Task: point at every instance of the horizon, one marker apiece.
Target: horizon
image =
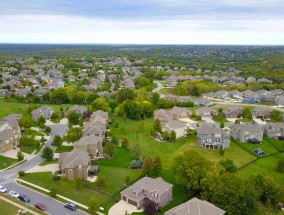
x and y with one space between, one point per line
153 22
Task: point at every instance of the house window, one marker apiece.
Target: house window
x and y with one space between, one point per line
70 170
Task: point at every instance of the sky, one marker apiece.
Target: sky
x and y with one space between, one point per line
248 22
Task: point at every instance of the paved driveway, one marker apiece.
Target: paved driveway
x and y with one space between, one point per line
120 208
208 119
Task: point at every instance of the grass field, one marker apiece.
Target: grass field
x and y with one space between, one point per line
166 91
6 162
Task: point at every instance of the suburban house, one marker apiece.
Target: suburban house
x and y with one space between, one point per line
4 93
202 102
233 112
74 164
212 137
44 111
9 134
180 112
235 94
79 109
157 190
23 92
221 94
206 112
40 92
100 113
274 130
195 207
163 115
250 97
94 128
91 145
262 113
177 126
245 132
279 100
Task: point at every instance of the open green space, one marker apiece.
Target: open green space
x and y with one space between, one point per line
49 162
6 162
12 108
32 132
167 91
278 144
62 149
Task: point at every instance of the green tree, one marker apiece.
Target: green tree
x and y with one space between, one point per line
157 125
247 113
109 150
73 134
127 179
140 127
100 104
101 181
26 122
20 156
166 135
57 141
94 205
78 184
280 165
275 115
228 165
173 136
74 117
147 168
124 94
136 151
47 154
155 98
53 192
142 82
41 120
124 142
157 165
222 125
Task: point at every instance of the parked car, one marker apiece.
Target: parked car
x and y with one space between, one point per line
14 194
3 189
40 206
24 198
281 138
70 206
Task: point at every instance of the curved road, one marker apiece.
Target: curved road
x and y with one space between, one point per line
7 177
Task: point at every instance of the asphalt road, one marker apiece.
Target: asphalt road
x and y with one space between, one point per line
54 207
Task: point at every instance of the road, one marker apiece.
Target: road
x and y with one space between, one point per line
7 179
159 87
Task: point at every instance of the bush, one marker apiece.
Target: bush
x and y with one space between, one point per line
56 177
280 165
21 173
53 192
134 164
47 129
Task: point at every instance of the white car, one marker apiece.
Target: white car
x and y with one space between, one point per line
14 194
3 189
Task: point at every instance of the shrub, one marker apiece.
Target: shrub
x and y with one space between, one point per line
21 173
55 177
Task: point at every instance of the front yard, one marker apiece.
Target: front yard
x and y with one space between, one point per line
6 162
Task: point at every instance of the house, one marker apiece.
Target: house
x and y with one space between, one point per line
202 102
171 97
274 130
268 98
252 99
251 79
95 128
90 144
9 134
128 83
157 190
209 96
40 92
279 100
235 94
4 93
74 164
177 126
233 112
100 113
83 111
222 94
180 112
184 99
264 80
44 111
163 115
277 92
246 132
208 137
23 92
206 112
262 113
195 207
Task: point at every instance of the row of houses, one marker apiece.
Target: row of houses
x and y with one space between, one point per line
160 192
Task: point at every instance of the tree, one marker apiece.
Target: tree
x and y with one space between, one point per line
247 113
157 125
147 168
20 156
109 150
134 164
57 141
73 134
53 192
41 120
189 168
280 165
124 94
124 142
142 82
155 98
94 205
149 207
222 124
48 129
228 165
173 136
221 152
74 117
140 127
100 104
136 151
78 184
47 154
26 122
275 115
101 181
166 135
157 165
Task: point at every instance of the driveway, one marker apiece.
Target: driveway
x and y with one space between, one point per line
259 121
208 119
120 208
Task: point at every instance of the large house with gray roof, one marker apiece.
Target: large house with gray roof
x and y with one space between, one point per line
44 111
274 130
233 112
212 137
245 133
74 164
207 112
195 207
262 113
9 134
82 110
90 144
180 128
157 190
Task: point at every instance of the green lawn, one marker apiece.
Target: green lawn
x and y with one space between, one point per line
32 132
62 149
10 107
265 166
278 144
49 162
6 162
166 91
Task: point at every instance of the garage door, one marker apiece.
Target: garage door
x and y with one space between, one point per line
132 202
123 198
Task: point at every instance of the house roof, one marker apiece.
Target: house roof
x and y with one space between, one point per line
180 111
203 110
175 124
100 113
74 158
249 128
196 207
86 140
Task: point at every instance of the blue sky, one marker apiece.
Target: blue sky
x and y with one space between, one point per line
142 22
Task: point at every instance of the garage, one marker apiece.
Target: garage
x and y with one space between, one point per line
132 202
123 198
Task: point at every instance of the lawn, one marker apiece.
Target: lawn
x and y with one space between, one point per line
32 132
49 162
265 166
6 162
278 144
62 149
166 91
10 107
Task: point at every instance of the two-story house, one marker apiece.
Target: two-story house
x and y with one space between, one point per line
247 132
44 111
233 112
274 130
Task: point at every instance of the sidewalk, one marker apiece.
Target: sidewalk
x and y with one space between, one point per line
19 206
45 190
